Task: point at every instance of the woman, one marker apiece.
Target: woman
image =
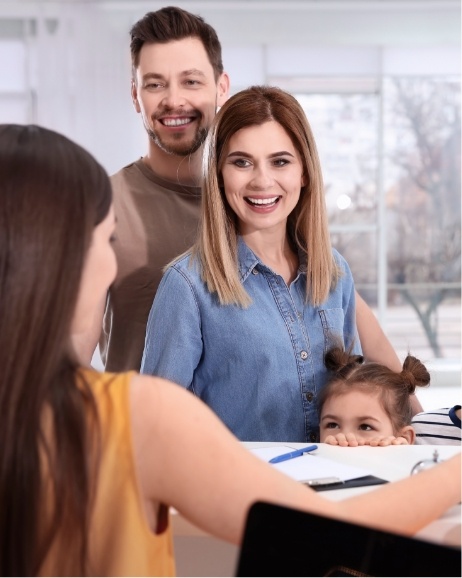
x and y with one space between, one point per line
245 318
88 460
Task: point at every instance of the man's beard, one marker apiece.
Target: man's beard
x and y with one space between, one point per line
181 149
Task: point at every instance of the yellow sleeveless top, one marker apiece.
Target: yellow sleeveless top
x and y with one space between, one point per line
121 542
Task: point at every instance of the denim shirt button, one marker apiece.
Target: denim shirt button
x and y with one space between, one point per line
309 396
254 271
313 437
303 354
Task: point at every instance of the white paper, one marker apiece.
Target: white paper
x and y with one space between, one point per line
309 466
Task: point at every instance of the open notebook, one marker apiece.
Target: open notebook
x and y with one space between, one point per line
318 472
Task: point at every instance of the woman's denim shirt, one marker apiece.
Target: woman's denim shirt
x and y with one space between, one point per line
261 368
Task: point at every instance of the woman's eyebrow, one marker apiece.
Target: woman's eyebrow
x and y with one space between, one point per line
239 154
272 155
280 153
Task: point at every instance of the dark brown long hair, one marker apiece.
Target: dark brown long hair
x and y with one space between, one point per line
52 194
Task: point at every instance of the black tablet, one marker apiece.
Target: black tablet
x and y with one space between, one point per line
280 541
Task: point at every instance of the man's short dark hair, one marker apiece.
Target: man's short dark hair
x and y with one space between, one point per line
172 23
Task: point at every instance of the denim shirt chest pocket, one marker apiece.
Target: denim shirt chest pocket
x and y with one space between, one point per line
333 326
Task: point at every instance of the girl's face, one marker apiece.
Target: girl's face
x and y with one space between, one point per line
99 272
262 177
358 413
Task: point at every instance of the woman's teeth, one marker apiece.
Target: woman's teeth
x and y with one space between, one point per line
262 202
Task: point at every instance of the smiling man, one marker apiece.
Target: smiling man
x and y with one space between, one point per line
177 85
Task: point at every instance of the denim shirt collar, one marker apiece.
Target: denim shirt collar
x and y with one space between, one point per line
247 261
264 361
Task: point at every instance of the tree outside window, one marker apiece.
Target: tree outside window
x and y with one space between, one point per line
403 142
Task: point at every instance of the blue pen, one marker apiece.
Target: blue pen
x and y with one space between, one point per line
294 454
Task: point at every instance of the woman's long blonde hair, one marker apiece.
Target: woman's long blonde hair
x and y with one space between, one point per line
307 228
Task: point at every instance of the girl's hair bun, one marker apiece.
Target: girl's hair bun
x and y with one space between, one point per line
341 362
414 373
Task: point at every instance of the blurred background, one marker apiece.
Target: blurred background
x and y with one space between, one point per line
380 83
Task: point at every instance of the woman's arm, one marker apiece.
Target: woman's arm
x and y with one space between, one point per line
186 458
173 344
375 344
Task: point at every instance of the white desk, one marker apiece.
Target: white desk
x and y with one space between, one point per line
198 554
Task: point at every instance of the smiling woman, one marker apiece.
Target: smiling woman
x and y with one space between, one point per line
263 266
262 177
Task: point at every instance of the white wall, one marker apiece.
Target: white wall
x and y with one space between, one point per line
70 67
77 66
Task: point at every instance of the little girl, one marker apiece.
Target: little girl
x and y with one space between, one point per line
368 404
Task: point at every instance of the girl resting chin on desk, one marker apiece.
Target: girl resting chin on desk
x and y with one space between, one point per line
368 404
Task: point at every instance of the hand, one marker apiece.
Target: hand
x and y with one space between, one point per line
351 440
344 440
388 441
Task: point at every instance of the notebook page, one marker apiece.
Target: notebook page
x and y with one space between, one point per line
310 466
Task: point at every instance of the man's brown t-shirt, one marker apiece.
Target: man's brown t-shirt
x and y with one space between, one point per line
156 221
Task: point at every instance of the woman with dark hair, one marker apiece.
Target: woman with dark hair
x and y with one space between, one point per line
55 203
89 460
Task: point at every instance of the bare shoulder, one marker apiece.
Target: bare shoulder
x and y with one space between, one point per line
160 407
146 385
168 424
146 389
147 396
155 410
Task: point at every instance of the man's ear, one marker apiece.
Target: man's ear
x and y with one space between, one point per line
134 92
222 89
408 433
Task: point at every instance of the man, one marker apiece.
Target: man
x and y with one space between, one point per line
178 83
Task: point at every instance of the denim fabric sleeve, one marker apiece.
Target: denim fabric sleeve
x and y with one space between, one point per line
173 344
351 336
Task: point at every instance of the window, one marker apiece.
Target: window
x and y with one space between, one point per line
391 164
16 99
